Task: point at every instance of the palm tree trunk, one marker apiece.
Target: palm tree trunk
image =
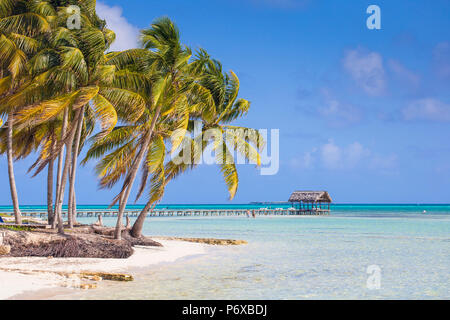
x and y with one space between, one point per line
67 164
126 193
136 230
12 180
60 163
71 208
70 194
50 212
74 210
132 176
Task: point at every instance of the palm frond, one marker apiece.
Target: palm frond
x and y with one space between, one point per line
26 44
6 7
28 23
105 112
114 165
156 154
237 139
129 105
73 60
104 143
225 161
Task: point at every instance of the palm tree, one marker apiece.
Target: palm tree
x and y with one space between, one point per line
30 139
55 83
224 89
22 26
79 79
25 29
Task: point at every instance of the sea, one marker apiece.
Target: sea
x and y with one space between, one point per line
359 251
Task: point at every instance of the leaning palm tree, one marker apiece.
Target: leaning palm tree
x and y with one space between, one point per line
161 74
216 132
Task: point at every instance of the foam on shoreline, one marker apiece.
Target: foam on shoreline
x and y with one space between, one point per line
25 278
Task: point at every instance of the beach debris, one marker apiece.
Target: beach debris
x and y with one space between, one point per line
74 247
41 244
141 241
83 242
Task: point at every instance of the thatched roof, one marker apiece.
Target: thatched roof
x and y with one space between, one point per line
310 196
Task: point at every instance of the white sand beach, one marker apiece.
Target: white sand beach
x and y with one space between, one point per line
20 275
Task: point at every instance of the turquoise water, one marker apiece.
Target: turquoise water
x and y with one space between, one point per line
338 209
297 257
302 257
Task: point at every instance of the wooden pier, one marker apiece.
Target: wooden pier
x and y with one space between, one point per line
187 213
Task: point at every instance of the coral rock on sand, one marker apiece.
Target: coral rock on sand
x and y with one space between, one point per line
4 250
87 286
211 241
109 276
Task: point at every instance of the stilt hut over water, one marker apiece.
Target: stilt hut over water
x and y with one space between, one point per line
311 202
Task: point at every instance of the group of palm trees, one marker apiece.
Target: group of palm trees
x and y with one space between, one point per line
62 90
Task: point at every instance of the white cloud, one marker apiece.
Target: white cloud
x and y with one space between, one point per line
428 109
331 155
441 55
383 162
404 73
334 157
306 161
367 69
340 113
356 152
127 35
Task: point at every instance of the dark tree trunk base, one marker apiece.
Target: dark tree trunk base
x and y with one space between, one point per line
83 242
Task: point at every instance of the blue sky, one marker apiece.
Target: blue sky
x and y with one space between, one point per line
362 113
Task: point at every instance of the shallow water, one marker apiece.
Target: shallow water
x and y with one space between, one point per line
301 258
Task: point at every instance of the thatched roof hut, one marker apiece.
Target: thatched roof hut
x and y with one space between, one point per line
311 202
310 196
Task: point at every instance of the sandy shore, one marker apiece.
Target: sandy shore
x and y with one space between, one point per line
33 273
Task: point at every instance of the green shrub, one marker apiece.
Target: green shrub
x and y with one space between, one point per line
15 228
